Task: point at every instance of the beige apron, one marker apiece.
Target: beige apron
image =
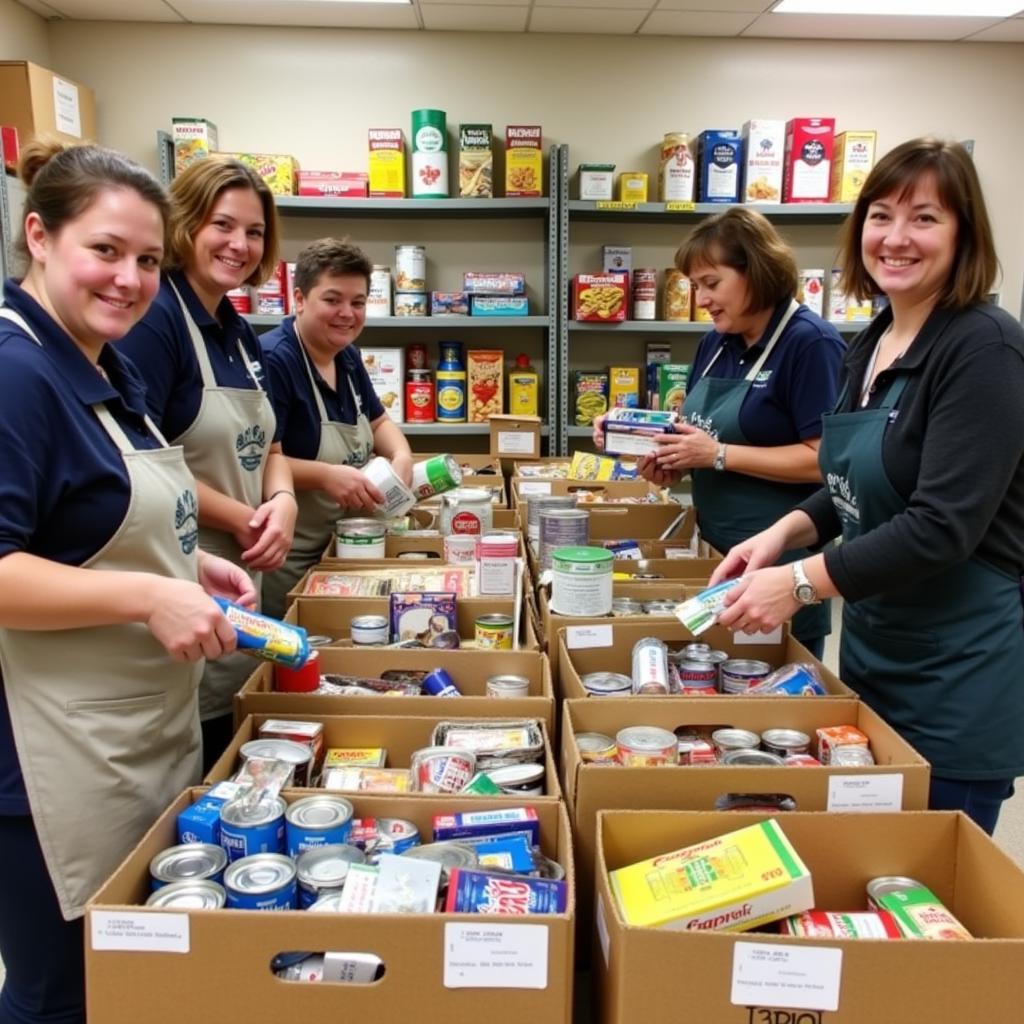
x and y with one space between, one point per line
226 447
341 444
104 720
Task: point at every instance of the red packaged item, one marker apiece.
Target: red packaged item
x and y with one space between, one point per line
335 184
299 680
600 298
9 140
807 171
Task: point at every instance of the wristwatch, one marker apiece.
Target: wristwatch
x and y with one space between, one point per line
803 588
719 463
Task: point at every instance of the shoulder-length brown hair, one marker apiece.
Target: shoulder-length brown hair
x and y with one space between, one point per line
975 265
194 193
746 241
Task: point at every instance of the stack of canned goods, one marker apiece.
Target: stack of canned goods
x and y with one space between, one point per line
627 606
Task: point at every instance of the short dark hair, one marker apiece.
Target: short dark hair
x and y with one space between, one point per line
745 241
975 264
331 256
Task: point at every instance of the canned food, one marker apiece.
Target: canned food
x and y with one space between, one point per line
416 356
410 268
581 581
645 293
435 476
316 640
755 802
677 170
398 499
493 632
739 674
735 739
412 304
852 756
918 911
660 607
508 686
607 684
359 538
323 869
438 683
314 821
518 779
642 576
596 746
696 675
383 835
358 968
537 503
378 298
198 861
298 755
677 299
247 829
329 903
646 746
650 666
786 741
466 510
369 630
448 853
696 652
419 397
460 549
191 894
751 757
824 924
442 769
624 606
264 881
561 528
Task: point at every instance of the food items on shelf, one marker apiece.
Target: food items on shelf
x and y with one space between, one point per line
476 162
600 298
852 159
387 163
484 380
429 154
194 138
677 172
596 181
279 171
719 156
524 161
808 165
764 144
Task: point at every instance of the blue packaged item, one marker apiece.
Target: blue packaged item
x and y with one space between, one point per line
471 824
438 683
267 638
265 881
200 821
795 680
477 892
720 157
247 829
508 853
499 305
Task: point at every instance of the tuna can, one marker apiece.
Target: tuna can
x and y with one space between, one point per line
429 140
383 835
460 549
315 821
518 779
398 499
739 674
378 299
852 755
192 894
650 667
646 746
696 675
661 608
442 769
508 686
369 630
735 739
467 510
786 741
560 528
411 303
247 830
448 853
299 755
265 881
623 607
438 683
596 746
359 538
435 476
411 268
607 684
493 632
323 869
304 679
760 758
189 861
696 652
537 503
581 583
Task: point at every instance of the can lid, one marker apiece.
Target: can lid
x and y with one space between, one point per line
584 555
189 860
259 873
320 811
328 865
193 894
516 774
240 812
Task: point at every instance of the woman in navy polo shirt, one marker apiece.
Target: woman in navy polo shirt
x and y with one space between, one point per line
206 388
102 621
331 419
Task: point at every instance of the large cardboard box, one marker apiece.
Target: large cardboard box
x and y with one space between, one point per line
469 669
36 100
743 978
515 436
598 491
165 967
668 568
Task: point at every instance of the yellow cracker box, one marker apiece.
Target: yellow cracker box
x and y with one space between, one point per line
485 373
588 466
524 161
280 172
387 163
853 157
600 297
352 757
734 882
633 187
623 387
194 138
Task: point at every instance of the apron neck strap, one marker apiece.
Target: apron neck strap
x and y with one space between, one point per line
16 318
772 341
317 397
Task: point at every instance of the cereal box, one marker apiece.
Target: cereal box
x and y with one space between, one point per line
387 163
590 396
600 297
808 164
386 369
280 172
764 144
476 162
334 184
624 387
672 381
485 373
421 616
853 158
719 157
524 161
194 138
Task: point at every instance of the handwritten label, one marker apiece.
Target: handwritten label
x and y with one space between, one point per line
610 204
66 110
534 487
579 637
514 442
865 792
774 637
796 977
680 206
485 956
144 931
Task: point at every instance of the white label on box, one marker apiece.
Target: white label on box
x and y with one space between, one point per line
66 111
865 793
534 487
143 931
602 929
515 442
774 637
796 977
491 956
579 637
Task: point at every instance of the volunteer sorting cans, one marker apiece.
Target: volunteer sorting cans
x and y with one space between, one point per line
206 388
105 613
761 380
331 419
923 462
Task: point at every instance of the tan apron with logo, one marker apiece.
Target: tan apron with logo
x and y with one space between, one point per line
104 720
341 444
226 447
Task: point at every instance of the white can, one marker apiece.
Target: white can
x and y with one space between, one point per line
581 581
398 499
360 538
410 268
496 574
466 510
460 548
378 301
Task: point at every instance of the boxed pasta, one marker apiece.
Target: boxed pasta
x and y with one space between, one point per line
194 138
485 374
852 159
763 145
524 160
387 163
623 387
279 171
600 297
386 369
808 165
476 162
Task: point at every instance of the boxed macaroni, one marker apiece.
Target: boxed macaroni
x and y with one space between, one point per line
387 163
853 158
524 160
623 387
194 138
280 172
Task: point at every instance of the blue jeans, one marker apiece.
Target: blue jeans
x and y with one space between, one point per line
979 800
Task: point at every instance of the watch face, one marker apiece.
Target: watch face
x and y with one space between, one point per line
805 593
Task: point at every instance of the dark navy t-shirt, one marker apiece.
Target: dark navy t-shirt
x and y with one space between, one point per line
64 489
298 419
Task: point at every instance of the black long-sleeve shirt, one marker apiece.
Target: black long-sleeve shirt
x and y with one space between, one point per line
955 453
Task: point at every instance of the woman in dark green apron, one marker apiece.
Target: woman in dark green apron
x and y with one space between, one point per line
923 462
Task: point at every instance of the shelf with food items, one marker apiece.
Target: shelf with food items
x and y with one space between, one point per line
328 206
689 212
437 323
698 327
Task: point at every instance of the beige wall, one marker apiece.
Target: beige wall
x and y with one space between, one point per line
23 34
314 93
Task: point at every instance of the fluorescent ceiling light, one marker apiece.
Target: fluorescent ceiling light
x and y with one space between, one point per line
922 8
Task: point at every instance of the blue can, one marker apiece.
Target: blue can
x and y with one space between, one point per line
439 684
317 821
796 680
264 881
246 830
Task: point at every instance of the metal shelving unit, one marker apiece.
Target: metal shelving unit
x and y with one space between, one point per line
436 323
665 213
317 206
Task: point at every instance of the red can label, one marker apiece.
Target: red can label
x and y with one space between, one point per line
419 401
465 522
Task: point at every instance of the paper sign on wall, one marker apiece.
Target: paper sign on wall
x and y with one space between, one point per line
66 110
486 956
143 931
795 977
865 792
580 637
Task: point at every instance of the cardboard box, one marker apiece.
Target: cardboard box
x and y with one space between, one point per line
485 384
524 161
623 387
596 182
36 100
278 170
217 969
195 138
386 369
10 147
852 160
513 436
587 492
763 146
590 396
476 162
900 980
387 163
808 170
334 184
600 298
720 159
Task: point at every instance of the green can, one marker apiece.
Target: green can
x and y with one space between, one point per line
429 154
436 476
581 581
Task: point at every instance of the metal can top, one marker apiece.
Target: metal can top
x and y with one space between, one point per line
189 860
660 607
885 884
563 513
752 757
646 737
368 622
325 866
852 755
365 527
512 683
785 738
516 777
606 682
193 894
594 742
735 739
448 854
494 619
696 651
597 558
319 812
289 751
319 640
259 873
329 903
696 666
746 667
241 812
466 495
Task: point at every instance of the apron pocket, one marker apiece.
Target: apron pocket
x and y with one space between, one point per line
904 645
122 728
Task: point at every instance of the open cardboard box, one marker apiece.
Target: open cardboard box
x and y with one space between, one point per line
397 551
591 491
646 974
469 669
401 738
515 437
689 569
218 965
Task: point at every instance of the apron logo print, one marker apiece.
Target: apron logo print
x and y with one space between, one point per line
843 498
762 378
250 445
186 522
705 423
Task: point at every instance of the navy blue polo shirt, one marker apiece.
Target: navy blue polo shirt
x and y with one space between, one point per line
64 490
799 381
298 419
159 345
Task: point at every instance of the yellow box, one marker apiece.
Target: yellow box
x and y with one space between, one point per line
623 386
194 138
633 187
701 315
387 163
733 882
524 161
280 172
588 466
485 373
852 160
352 757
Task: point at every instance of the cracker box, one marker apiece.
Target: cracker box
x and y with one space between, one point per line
590 396
524 161
719 157
633 187
763 145
279 171
623 387
500 283
597 181
387 163
485 373
808 164
600 298
476 162
334 184
386 369
194 138
499 305
852 159
673 379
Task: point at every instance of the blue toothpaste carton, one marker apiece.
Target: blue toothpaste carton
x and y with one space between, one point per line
200 821
481 823
500 305
509 853
267 638
477 892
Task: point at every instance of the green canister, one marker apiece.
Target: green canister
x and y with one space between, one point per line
429 154
581 581
435 476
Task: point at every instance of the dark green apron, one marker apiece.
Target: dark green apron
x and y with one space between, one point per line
940 659
732 507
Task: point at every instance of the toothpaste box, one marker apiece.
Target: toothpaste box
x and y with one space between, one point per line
200 821
733 882
480 823
477 892
499 305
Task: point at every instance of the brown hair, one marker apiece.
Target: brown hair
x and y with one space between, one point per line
329 256
63 181
194 193
975 264
745 241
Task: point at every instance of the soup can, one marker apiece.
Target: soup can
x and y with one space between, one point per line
786 741
442 769
560 528
187 862
378 299
646 746
581 583
735 739
508 686
314 821
383 835
360 538
191 894
739 674
435 476
696 675
596 746
460 548
305 679
762 758
420 401
537 503
323 869
247 829
466 510
410 268
650 667
296 754
398 499
263 881
493 632
411 304
607 684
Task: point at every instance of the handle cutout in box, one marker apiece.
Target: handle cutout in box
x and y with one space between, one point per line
329 967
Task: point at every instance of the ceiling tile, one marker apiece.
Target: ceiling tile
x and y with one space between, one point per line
585 20
44 10
715 6
632 5
110 10
1011 31
695 23
818 26
474 3
470 18
298 13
